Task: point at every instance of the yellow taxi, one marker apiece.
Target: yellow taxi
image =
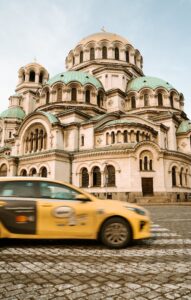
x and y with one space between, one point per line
41 208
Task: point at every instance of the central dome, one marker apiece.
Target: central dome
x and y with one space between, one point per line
99 36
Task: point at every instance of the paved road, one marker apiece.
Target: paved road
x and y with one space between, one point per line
157 269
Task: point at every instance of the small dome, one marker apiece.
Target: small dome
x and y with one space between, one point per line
147 82
184 127
81 77
15 112
99 36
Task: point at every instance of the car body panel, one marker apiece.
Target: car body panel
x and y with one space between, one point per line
57 218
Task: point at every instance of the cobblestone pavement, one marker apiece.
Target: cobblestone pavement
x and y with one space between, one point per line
159 268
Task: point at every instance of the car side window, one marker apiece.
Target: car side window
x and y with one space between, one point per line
51 190
23 189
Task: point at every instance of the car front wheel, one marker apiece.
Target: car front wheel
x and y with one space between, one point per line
116 233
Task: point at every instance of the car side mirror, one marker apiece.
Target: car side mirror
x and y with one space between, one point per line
82 197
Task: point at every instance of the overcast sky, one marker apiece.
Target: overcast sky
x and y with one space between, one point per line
48 29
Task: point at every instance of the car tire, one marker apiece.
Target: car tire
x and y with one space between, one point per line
116 233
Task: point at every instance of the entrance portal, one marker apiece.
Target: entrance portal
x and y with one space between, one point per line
147 186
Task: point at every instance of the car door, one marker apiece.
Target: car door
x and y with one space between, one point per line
61 215
18 206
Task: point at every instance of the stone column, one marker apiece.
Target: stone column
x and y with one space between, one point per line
102 178
90 179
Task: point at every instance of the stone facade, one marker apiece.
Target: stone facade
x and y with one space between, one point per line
101 125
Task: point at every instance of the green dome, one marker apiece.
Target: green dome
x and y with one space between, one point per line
15 112
147 82
184 127
70 76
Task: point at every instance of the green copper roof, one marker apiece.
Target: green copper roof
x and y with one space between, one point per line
51 117
148 82
184 126
70 76
15 112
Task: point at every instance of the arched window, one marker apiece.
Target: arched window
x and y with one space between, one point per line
23 172
107 138
47 97
23 76
117 53
104 52
181 176
41 77
82 140
186 178
137 136
81 56
59 94
127 56
160 99
31 139
125 136
118 135
43 172
100 99
3 170
146 100
73 94
171 100
141 62
133 102
96 176
85 177
173 176
92 53
113 137
33 172
147 137
32 76
35 140
110 175
140 164
150 164
36 137
145 163
87 96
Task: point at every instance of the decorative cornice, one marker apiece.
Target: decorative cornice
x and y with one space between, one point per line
45 154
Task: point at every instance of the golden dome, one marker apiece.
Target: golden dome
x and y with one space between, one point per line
100 36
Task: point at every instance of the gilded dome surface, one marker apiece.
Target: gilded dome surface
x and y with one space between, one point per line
99 36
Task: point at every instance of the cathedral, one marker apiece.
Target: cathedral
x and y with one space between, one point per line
102 125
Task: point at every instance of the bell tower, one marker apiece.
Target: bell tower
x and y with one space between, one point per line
31 79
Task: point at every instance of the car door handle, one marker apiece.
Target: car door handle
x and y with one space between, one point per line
47 205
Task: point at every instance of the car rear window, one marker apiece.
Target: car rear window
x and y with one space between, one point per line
23 189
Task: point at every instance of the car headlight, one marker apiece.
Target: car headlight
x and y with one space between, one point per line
137 210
